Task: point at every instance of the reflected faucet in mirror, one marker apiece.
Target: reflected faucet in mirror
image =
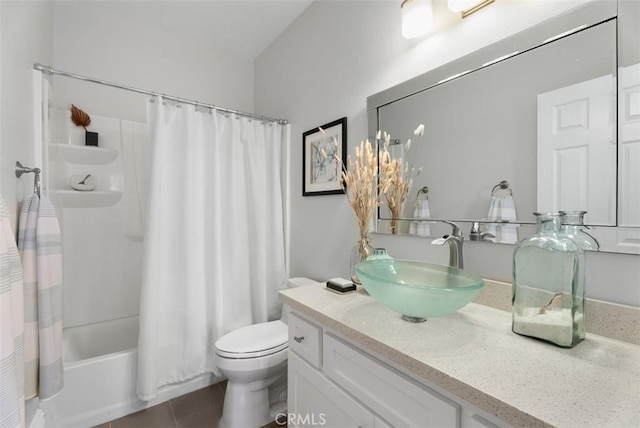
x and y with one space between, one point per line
475 234
454 240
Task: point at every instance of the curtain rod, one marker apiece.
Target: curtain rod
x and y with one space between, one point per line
51 71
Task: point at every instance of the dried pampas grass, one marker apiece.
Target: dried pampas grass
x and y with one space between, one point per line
396 177
363 185
360 183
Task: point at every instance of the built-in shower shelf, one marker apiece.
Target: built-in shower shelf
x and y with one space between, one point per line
89 155
92 199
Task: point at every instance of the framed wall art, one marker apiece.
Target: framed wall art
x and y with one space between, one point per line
321 171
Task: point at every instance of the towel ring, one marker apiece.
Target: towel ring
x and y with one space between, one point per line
503 185
36 179
424 190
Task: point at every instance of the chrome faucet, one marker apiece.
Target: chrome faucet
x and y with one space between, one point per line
454 240
476 235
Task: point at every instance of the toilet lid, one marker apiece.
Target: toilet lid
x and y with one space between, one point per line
255 340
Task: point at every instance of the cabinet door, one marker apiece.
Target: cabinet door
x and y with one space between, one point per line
401 401
315 401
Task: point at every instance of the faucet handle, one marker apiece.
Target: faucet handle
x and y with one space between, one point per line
440 241
456 231
474 233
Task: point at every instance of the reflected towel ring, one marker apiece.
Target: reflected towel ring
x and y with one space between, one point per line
503 185
424 190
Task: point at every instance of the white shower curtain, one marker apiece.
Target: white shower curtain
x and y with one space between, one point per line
214 238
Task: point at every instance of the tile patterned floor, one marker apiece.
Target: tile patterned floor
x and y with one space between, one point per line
199 409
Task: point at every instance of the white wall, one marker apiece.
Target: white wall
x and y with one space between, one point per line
324 67
25 37
95 40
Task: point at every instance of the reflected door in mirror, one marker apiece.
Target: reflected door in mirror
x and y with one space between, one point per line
577 150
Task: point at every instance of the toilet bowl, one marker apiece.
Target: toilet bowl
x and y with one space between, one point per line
254 360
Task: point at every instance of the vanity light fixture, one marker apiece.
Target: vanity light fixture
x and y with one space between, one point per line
467 7
417 17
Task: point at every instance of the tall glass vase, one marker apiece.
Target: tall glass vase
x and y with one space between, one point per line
395 215
573 227
359 253
548 285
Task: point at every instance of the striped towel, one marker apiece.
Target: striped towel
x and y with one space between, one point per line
503 208
11 327
40 247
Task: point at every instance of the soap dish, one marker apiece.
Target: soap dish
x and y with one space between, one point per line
83 183
340 285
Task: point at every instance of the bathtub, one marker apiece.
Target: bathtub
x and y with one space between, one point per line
100 365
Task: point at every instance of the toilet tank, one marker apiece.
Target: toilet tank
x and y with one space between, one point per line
295 283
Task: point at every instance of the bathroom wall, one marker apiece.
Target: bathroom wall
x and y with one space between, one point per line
92 39
324 67
25 37
99 40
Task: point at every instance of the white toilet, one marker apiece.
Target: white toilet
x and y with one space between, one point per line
254 360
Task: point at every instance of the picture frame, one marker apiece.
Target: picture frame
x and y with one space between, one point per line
322 175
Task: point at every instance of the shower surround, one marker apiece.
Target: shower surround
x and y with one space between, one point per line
102 245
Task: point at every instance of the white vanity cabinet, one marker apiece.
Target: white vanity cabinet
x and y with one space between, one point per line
316 401
334 384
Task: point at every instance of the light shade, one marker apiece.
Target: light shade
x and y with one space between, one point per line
417 17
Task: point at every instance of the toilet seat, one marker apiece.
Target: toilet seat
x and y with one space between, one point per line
253 341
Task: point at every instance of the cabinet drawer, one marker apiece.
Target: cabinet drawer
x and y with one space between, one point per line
399 400
305 339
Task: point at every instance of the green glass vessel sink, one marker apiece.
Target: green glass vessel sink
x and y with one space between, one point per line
418 290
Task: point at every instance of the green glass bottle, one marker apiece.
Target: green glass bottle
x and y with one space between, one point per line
548 285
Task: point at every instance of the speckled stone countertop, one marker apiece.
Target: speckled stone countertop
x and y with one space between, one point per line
474 355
